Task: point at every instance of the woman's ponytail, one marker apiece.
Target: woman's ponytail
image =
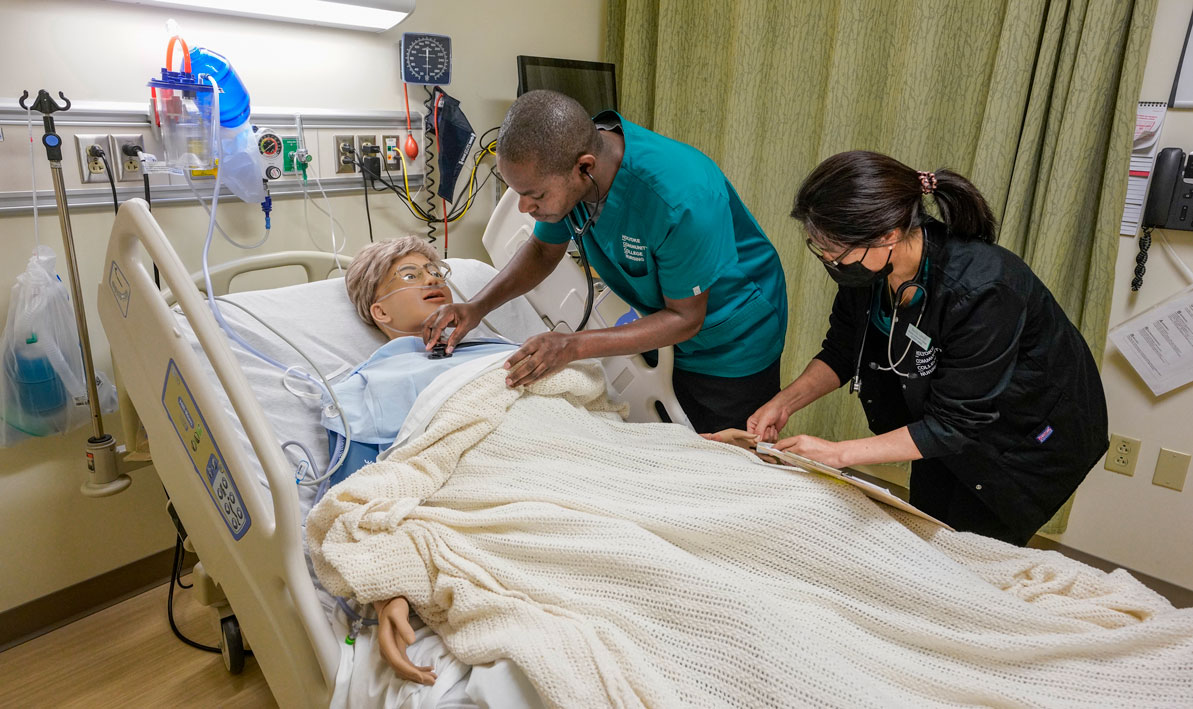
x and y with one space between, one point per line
855 198
962 207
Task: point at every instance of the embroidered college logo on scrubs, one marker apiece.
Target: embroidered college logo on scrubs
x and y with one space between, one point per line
925 361
633 248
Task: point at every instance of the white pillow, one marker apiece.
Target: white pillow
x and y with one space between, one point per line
320 319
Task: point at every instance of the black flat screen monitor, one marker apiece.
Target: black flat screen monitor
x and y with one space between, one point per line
593 84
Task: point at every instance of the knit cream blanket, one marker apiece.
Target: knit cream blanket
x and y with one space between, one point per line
630 565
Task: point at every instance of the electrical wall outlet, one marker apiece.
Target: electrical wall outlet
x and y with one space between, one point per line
1123 454
1171 468
128 167
365 144
362 141
343 154
92 169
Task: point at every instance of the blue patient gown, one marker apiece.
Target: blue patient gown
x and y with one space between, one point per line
378 395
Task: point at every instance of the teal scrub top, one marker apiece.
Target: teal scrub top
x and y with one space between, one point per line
673 226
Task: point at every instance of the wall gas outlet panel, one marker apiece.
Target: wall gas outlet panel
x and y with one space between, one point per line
269 144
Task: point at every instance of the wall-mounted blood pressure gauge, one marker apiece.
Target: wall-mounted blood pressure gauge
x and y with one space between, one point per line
426 58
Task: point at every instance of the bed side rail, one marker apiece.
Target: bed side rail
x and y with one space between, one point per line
316 265
256 558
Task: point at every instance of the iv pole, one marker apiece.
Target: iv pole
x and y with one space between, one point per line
104 477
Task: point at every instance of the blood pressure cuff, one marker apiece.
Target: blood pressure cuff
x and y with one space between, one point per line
359 455
447 121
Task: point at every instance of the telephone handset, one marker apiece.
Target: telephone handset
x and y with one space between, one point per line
1169 203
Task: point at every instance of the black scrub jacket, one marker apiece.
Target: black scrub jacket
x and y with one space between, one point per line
1006 395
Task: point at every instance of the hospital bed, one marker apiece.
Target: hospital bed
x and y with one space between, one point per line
215 416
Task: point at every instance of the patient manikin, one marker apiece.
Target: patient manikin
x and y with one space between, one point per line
395 285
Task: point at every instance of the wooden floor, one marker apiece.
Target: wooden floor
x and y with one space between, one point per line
126 656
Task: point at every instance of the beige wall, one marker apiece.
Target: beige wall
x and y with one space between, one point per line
104 51
1128 519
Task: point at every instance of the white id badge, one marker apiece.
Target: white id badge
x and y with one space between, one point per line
917 336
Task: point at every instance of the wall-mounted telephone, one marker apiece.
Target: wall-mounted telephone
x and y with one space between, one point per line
1169 203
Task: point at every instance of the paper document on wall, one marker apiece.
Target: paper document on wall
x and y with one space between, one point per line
1159 343
1148 120
874 492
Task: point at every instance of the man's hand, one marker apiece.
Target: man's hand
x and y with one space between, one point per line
462 316
769 419
543 354
818 449
733 436
394 635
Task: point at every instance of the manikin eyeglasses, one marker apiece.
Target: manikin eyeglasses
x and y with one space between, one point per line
412 273
420 277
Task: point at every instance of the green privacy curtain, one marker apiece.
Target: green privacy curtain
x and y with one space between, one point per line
1034 100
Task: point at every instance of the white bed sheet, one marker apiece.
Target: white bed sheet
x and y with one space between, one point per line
320 319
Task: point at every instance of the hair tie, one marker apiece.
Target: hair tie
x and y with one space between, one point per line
927 181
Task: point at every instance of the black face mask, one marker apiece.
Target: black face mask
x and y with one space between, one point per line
855 275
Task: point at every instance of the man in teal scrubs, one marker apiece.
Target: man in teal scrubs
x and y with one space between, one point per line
665 230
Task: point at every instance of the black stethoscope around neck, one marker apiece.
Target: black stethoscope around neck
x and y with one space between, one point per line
892 365
579 229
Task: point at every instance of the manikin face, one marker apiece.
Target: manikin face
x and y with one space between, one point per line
547 198
413 290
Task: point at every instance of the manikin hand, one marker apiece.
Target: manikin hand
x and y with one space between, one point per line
818 449
462 316
733 436
768 420
394 635
539 356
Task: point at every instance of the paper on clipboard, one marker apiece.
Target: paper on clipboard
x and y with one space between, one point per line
871 490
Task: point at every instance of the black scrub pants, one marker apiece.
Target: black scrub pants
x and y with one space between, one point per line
716 403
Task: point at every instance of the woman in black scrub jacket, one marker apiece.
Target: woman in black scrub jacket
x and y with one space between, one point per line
962 359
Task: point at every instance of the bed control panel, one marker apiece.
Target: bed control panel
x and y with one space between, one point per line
204 453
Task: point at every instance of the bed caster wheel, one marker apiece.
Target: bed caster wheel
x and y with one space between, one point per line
231 645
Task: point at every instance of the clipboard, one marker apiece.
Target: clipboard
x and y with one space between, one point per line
872 491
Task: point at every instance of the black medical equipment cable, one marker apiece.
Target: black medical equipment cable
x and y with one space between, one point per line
387 185
157 278
429 163
176 578
455 213
97 152
364 176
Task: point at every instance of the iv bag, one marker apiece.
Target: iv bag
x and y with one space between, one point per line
43 388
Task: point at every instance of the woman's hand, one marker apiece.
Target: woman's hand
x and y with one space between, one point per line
768 420
733 436
394 635
818 449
